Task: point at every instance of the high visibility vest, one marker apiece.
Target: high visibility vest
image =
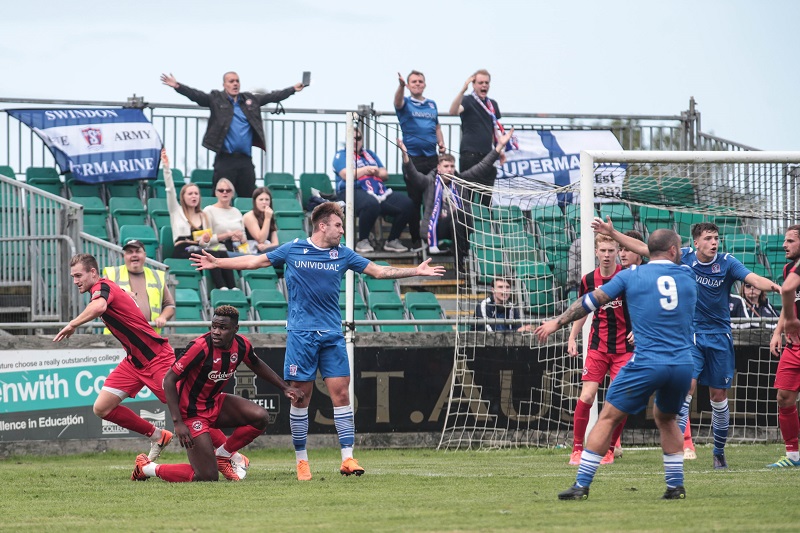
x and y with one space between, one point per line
154 280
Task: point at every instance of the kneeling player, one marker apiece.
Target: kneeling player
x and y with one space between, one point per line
193 386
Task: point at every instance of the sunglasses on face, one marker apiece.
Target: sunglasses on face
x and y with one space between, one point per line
225 191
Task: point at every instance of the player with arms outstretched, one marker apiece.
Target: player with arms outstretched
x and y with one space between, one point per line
193 387
314 268
661 297
713 353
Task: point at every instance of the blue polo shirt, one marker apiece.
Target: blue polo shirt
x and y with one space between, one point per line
418 121
240 135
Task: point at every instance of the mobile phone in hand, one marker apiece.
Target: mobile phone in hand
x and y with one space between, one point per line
306 78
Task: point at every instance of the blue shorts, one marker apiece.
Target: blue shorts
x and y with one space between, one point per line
713 360
307 351
634 385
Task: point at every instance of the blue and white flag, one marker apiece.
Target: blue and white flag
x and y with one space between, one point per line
97 145
545 159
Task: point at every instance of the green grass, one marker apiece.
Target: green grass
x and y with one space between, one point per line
402 490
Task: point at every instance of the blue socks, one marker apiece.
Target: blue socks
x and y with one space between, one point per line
590 461
673 469
720 420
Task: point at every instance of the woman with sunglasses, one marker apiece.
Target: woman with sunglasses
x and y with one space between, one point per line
227 230
752 302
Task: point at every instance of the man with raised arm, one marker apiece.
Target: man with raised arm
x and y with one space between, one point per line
422 133
713 351
661 296
234 127
787 377
314 268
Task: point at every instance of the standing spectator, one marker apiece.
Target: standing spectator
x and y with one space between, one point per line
499 306
259 224
147 286
234 127
751 302
372 199
422 133
314 269
193 387
480 127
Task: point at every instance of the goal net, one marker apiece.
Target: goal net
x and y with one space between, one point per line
509 390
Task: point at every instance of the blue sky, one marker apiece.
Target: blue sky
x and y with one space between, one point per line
737 58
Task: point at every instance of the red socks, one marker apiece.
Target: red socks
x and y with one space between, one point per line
180 473
582 411
790 426
122 416
241 437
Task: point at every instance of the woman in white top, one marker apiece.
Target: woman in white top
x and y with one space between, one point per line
226 221
190 226
259 224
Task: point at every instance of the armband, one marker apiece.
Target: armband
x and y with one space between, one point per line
589 303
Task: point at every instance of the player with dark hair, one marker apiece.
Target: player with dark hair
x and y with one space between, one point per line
629 257
787 377
149 355
193 387
314 268
713 352
609 348
661 295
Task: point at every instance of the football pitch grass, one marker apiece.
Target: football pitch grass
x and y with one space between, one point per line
402 490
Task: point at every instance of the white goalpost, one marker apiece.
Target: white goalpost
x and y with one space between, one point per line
507 389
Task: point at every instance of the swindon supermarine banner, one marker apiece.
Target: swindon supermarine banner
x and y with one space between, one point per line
544 160
97 145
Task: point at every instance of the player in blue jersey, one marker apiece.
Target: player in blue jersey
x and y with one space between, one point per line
314 268
661 296
713 353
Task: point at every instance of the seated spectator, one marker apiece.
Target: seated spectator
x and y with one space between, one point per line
191 230
751 302
259 224
441 198
499 306
372 199
227 229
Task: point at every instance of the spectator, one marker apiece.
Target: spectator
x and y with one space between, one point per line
437 222
372 199
480 127
234 127
422 133
259 224
499 306
751 302
147 286
227 230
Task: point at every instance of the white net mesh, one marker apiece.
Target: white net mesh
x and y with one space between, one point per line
510 391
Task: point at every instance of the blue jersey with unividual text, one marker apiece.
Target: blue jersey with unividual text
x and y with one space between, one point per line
661 297
313 276
714 280
418 120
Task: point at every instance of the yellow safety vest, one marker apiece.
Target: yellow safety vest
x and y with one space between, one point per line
154 280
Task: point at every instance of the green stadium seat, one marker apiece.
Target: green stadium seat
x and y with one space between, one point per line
144 233
678 191
123 189
156 187
396 182
425 306
95 212
126 212
44 178
77 188
684 223
538 280
288 235
654 218
184 273
572 212
275 181
189 307
201 177
158 212
269 304
773 241
374 285
775 300
738 243
243 204
290 221
166 242
620 215
207 200
263 278
287 206
283 194
236 299
7 171
389 306
728 224
308 181
359 309
101 232
642 189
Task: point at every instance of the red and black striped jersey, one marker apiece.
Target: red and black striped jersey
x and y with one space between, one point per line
793 267
611 324
127 323
203 371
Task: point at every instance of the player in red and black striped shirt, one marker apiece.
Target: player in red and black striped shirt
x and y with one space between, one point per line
609 348
787 377
149 355
194 387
